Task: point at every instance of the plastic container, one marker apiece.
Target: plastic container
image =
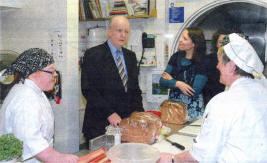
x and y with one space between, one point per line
106 141
133 153
116 132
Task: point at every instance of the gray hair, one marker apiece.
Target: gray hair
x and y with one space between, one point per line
226 59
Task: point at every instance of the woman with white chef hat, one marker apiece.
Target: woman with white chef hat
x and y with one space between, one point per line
26 111
234 127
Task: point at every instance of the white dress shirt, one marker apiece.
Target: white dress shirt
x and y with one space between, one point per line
27 114
234 125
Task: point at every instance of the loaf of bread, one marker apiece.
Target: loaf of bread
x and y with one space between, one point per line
173 112
140 127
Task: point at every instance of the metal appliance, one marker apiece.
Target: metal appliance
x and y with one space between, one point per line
6 58
250 16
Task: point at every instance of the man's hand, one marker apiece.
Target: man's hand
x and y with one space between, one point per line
114 119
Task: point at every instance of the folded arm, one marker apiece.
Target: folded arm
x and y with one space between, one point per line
168 81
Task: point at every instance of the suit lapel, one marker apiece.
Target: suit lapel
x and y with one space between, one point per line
110 64
112 68
126 59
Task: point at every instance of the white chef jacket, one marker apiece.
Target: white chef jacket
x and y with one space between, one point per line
27 114
234 127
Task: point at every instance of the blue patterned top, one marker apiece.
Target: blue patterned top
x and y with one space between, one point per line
182 69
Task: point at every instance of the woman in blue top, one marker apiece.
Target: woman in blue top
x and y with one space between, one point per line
185 73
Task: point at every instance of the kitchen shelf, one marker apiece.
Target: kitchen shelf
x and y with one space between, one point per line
152 14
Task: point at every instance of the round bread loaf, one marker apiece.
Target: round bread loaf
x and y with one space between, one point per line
140 127
173 112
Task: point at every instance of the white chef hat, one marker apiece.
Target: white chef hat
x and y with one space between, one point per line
243 55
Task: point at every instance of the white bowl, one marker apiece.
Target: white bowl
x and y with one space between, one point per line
133 153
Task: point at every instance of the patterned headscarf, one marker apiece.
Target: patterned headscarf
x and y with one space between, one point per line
28 62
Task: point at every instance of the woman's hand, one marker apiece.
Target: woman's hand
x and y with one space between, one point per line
185 88
166 76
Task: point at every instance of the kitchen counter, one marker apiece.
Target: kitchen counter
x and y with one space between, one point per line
181 134
192 128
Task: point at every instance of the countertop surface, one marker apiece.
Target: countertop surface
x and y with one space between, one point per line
181 134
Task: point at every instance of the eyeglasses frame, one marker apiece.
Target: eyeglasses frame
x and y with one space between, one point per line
49 72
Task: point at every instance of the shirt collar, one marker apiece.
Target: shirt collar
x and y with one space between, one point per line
31 84
113 48
237 81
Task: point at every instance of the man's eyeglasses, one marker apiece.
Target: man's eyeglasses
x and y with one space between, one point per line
49 72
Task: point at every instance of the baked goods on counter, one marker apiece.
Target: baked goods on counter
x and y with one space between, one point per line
173 112
140 127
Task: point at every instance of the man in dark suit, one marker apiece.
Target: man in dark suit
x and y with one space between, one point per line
109 81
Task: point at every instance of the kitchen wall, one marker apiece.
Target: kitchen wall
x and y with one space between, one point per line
36 24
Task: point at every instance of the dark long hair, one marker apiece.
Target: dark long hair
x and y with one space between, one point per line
197 36
215 37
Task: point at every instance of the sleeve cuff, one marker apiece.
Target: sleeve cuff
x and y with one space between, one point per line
172 83
194 154
35 151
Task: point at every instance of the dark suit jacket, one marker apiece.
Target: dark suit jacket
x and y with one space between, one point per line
103 89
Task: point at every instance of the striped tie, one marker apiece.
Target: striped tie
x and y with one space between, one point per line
122 71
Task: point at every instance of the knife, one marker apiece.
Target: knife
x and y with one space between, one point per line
177 145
